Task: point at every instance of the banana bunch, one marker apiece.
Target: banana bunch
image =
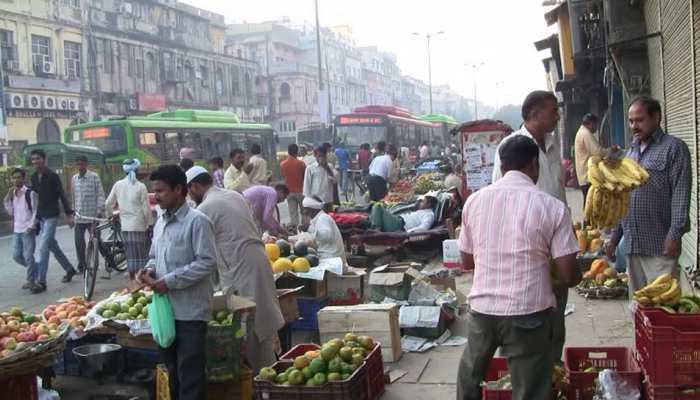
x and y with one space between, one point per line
611 182
665 291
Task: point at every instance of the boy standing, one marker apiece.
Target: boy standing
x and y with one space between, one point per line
21 204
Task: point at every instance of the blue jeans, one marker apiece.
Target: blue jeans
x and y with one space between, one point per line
343 180
23 254
48 243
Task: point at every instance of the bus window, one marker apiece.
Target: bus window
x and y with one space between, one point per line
355 135
172 145
110 139
152 142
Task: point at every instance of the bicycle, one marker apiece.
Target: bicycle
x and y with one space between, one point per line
110 248
355 182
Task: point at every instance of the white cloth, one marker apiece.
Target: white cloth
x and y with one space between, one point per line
195 172
381 166
318 183
134 209
311 203
327 236
418 221
551 178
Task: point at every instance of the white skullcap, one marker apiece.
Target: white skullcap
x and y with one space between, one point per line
195 172
312 203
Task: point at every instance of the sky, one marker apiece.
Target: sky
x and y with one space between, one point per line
498 33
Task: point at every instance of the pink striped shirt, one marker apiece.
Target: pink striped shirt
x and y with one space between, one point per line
512 228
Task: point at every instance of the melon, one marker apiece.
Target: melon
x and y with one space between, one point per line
285 248
301 264
281 265
301 249
273 251
313 260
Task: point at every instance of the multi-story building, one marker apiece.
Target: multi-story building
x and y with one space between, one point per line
42 64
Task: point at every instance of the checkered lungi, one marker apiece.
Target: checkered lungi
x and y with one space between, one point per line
137 246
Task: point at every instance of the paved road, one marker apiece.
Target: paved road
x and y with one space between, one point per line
12 278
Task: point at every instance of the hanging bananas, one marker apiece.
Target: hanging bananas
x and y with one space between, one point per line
611 181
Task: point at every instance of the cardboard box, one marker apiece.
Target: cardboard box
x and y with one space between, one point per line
347 289
288 303
451 257
311 287
393 281
379 321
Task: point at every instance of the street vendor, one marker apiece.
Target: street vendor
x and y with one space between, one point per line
379 170
325 232
420 220
263 202
242 262
510 231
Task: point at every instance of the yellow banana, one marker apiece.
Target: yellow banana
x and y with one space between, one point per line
589 204
663 278
645 301
656 290
594 175
635 169
673 293
608 173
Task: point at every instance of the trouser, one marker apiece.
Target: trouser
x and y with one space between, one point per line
584 190
343 180
644 269
48 244
385 221
294 201
23 254
525 341
260 353
80 246
377 187
186 361
559 323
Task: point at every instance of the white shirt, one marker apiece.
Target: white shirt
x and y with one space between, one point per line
259 174
327 236
318 183
551 178
134 209
381 166
418 221
424 151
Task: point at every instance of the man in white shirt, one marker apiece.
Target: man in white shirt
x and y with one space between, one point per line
259 174
327 237
379 170
420 220
236 177
319 178
540 111
21 204
424 152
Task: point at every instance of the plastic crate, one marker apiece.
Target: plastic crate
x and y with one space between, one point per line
308 313
223 351
137 359
668 347
670 393
582 384
241 390
374 361
353 388
497 370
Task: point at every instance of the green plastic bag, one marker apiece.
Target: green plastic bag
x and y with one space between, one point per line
160 314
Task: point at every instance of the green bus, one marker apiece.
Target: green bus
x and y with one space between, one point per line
445 123
157 138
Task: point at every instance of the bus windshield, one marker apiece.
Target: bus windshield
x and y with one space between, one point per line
110 139
355 135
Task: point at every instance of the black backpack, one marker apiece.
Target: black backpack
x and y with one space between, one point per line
28 199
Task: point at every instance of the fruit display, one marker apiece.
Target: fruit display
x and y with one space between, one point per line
588 239
133 307
428 182
665 292
335 361
602 282
222 318
611 180
560 383
284 257
401 192
19 329
71 311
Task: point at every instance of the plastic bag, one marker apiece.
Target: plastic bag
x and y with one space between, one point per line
611 386
160 314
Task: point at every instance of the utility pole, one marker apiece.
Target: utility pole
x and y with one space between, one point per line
321 88
430 66
476 107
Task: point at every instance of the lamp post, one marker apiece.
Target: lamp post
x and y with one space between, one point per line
430 67
476 107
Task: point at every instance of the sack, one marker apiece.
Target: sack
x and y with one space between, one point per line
160 314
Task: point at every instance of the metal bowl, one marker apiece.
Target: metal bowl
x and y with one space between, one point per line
99 359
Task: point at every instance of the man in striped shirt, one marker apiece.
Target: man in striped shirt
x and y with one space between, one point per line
88 201
510 232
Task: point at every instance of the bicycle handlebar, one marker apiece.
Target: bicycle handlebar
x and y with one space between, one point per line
93 219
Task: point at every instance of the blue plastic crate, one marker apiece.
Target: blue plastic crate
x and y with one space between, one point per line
66 364
137 359
308 310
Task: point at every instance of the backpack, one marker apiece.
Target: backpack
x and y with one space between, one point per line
28 199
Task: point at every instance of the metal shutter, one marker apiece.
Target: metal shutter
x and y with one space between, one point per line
653 23
679 96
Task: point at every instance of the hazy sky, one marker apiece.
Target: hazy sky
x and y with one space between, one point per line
499 33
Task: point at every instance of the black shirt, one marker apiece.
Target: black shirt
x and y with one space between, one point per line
50 191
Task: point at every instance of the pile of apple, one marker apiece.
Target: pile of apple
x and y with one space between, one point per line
18 330
71 312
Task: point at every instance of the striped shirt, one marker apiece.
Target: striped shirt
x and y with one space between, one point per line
218 178
88 196
512 229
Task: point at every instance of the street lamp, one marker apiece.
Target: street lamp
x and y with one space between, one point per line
430 67
474 67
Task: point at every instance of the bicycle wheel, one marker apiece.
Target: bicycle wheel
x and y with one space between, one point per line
90 273
350 188
118 253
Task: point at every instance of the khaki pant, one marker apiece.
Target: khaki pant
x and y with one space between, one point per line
526 341
644 269
294 201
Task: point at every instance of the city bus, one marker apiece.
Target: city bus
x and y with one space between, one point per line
372 124
158 138
444 123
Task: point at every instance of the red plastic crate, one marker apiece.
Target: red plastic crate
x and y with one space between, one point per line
670 393
582 384
668 347
497 370
353 388
374 361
